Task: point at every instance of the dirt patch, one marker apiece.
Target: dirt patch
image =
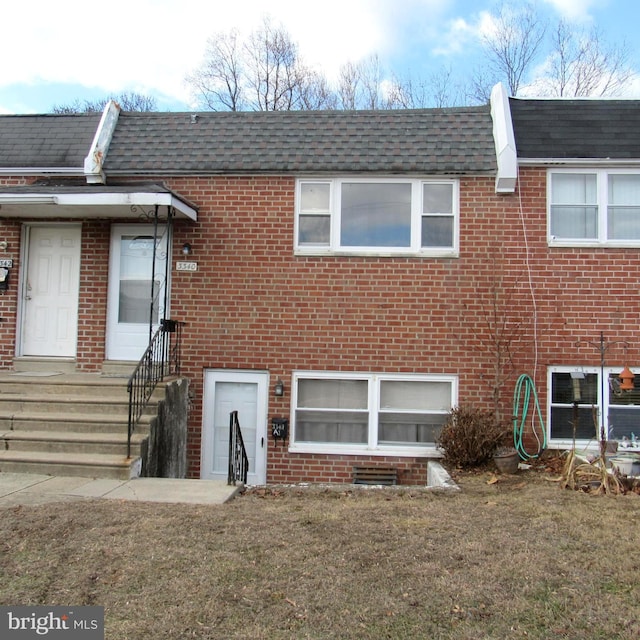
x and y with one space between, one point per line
507 557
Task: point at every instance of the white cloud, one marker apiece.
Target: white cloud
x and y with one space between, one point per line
151 45
576 10
462 33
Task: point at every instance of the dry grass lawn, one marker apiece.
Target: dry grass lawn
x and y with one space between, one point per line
519 558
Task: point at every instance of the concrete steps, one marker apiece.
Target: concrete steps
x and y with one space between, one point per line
110 443
75 422
65 464
69 424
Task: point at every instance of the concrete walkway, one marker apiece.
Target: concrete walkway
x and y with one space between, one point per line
35 489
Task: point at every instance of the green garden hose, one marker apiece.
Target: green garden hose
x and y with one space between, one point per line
522 396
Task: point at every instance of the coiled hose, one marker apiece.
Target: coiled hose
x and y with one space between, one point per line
524 392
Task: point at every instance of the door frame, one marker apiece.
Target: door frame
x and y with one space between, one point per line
258 475
21 310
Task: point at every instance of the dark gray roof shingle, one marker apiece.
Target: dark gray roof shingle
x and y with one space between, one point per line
580 128
34 141
435 141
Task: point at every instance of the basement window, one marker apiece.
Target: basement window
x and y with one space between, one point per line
596 405
343 413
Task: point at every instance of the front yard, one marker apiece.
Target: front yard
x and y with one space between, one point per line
516 558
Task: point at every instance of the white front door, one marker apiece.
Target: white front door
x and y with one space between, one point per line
132 302
50 291
246 393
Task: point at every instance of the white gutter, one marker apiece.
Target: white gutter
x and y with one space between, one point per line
504 140
94 162
41 171
599 162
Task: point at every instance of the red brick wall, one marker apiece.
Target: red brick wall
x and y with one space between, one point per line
253 304
94 274
10 230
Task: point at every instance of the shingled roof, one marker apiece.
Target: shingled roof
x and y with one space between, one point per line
578 129
52 141
434 141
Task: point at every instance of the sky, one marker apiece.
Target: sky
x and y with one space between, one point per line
54 53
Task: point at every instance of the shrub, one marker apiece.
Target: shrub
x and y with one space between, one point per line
470 436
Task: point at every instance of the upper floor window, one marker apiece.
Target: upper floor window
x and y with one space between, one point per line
594 207
384 217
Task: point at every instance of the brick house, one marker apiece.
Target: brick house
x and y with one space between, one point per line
356 274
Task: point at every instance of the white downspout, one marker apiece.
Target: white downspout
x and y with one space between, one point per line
504 140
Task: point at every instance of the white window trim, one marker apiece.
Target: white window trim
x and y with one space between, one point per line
593 443
415 250
602 176
371 448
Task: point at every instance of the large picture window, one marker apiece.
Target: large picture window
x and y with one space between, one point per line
390 216
339 412
582 403
594 207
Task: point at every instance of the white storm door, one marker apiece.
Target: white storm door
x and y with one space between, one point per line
130 306
50 291
246 393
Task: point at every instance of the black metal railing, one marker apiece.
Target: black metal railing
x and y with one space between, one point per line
238 461
161 359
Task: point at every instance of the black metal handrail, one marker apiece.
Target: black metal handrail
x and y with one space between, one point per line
161 359
238 461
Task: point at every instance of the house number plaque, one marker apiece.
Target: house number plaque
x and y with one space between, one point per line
186 266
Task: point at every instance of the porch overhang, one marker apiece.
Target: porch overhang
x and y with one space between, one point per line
89 201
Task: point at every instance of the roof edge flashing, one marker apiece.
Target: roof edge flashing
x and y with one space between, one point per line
504 140
94 162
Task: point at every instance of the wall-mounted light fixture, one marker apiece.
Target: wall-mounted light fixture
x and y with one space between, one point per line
279 388
4 245
186 249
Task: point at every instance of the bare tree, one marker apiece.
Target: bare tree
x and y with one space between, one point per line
444 92
315 92
478 88
439 90
349 86
264 72
371 77
511 49
217 84
272 69
582 65
362 85
128 101
404 93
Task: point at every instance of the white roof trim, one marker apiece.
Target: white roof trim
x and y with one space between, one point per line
89 205
94 162
41 171
504 140
595 162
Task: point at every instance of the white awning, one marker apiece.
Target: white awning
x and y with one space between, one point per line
100 201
